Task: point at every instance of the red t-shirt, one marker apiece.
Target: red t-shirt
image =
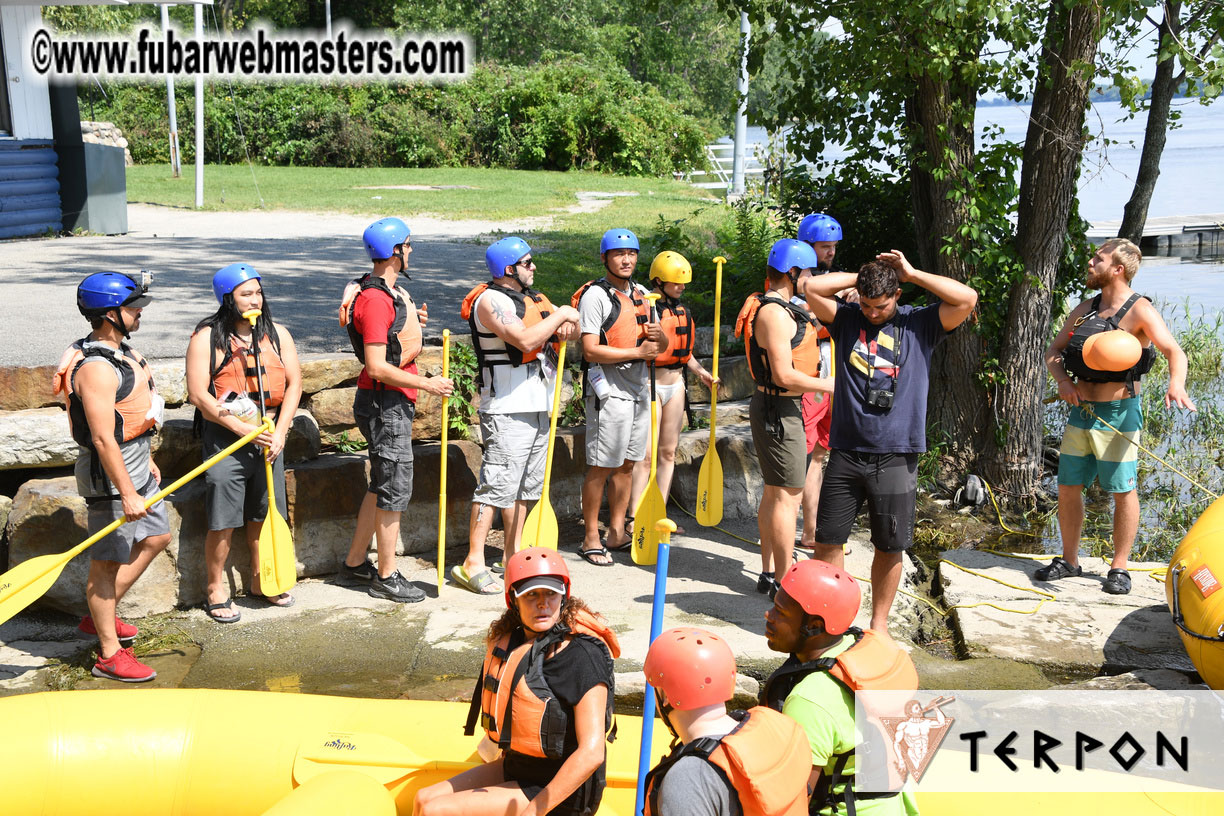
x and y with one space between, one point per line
373 315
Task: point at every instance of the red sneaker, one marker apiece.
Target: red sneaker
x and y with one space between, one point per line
124 667
125 631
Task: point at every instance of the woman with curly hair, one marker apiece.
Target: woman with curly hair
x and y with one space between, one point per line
544 698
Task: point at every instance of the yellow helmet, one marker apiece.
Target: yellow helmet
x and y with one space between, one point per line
671 267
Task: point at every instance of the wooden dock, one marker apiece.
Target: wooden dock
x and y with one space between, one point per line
1202 233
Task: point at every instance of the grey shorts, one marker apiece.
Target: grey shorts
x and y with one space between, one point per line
236 488
617 431
515 447
385 420
118 545
779 439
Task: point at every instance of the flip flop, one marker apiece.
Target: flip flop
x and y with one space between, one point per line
284 600
482 583
589 556
228 603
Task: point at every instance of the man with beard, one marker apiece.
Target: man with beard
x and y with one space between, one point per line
1090 448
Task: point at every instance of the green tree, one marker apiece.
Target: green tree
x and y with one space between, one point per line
1187 47
898 87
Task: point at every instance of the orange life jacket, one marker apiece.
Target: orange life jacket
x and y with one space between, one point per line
765 760
805 345
531 307
517 708
404 336
872 663
133 399
677 324
236 371
625 326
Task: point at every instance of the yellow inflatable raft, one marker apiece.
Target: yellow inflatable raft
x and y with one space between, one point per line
1194 588
155 752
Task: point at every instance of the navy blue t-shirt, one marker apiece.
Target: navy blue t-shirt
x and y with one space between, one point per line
869 356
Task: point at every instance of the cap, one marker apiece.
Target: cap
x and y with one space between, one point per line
549 582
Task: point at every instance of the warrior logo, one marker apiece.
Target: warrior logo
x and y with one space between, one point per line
916 737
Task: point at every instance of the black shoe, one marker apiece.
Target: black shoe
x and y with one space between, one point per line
1058 568
365 572
1117 582
765 582
395 587
773 590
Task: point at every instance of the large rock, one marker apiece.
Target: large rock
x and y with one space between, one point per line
729 413
703 342
24 387
49 517
35 438
333 409
177 450
170 377
323 371
1081 630
742 483
737 382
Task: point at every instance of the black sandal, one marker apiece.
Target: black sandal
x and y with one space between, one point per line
589 557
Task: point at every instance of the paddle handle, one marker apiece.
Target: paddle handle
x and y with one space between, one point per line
718 265
556 410
265 426
442 463
665 528
653 298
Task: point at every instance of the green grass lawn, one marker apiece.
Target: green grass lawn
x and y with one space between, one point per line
569 249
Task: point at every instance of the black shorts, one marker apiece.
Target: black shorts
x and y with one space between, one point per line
533 773
889 483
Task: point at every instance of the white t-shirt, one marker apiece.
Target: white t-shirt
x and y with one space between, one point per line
511 389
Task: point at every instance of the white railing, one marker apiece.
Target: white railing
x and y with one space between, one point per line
721 157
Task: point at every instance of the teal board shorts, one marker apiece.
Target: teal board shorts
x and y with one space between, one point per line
1091 449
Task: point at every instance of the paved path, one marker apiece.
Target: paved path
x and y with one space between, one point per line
307 258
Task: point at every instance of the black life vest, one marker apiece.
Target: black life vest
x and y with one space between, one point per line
404 335
1092 323
531 307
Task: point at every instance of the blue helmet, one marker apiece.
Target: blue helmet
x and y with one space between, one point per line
231 277
103 291
819 227
618 239
789 253
505 252
383 236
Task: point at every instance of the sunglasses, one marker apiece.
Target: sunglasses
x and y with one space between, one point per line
526 262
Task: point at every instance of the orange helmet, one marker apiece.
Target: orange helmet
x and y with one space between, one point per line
535 562
693 667
825 591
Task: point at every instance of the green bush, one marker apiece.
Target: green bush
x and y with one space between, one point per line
572 114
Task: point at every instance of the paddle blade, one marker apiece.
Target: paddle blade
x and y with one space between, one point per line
540 529
25 583
650 510
379 756
710 490
277 559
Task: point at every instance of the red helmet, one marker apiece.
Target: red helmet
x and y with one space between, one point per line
693 667
826 591
533 562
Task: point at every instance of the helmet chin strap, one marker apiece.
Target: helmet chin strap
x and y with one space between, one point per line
616 274
121 325
403 270
665 711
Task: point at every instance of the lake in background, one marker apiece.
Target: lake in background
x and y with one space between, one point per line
1191 183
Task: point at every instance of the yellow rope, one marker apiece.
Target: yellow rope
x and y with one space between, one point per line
1087 408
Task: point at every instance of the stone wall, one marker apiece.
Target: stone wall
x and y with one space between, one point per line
105 133
324 487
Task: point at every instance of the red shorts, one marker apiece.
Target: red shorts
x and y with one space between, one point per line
816 420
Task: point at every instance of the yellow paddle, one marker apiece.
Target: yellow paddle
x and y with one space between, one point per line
277 560
540 529
382 757
26 582
442 464
650 508
710 477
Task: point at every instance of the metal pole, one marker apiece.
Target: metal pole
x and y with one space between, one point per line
327 15
199 113
741 116
176 163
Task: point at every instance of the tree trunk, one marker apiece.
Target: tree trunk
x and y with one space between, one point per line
1053 149
1164 85
955 400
